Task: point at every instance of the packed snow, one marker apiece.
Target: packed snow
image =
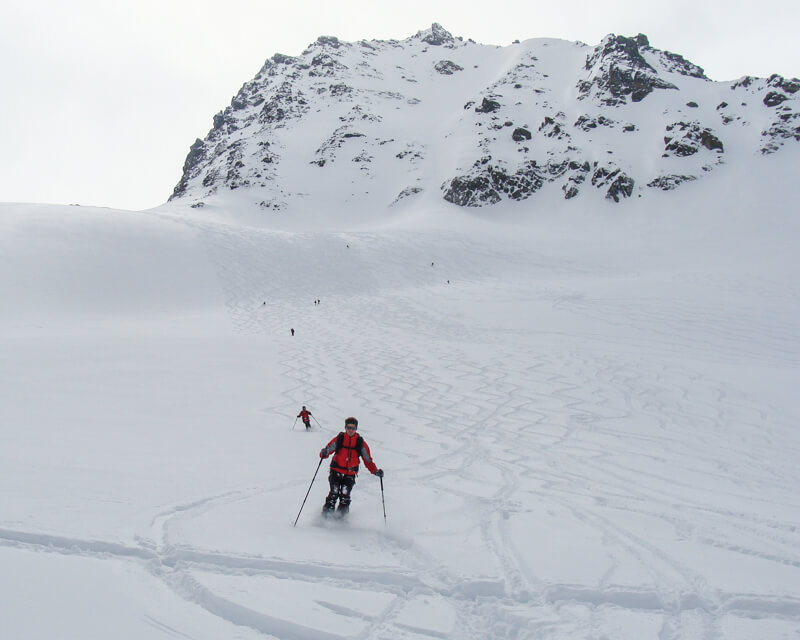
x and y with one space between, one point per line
587 419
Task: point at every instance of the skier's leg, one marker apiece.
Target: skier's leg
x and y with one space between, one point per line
344 496
330 501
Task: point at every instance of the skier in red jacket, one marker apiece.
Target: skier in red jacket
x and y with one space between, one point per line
305 414
347 448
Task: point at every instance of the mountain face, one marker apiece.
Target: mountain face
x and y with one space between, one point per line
375 123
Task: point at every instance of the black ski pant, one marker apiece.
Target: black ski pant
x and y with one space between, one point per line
341 486
307 423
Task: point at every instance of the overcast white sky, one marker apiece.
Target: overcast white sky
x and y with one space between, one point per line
101 99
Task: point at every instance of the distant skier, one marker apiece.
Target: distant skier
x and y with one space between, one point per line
306 416
346 448
292 330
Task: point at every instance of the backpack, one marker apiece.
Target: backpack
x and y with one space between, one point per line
340 444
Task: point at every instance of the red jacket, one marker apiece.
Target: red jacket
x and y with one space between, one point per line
304 415
346 451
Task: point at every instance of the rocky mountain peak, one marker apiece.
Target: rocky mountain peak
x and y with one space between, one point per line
437 35
618 69
383 123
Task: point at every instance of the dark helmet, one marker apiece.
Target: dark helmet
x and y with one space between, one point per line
304 406
352 421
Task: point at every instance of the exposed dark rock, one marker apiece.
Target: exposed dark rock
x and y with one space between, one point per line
196 155
743 82
692 104
577 176
587 123
405 193
447 67
784 127
329 41
233 178
617 69
488 106
210 178
488 182
283 105
669 182
437 35
553 128
686 138
774 98
357 113
622 186
275 204
520 134
617 182
583 167
710 141
779 82
472 191
328 150
325 65
279 58
678 64
410 154
340 89
363 157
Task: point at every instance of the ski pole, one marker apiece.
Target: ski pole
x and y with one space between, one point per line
317 421
383 502
294 423
307 492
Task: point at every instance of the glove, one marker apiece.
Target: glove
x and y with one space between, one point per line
323 453
379 473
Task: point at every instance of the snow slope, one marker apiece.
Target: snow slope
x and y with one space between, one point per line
588 422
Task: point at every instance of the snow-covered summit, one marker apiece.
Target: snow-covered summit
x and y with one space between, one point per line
436 35
370 124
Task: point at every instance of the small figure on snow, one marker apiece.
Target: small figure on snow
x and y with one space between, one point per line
292 330
305 414
346 448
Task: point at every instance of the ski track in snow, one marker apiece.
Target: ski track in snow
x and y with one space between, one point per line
501 392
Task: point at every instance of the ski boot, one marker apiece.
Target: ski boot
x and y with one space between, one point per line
328 509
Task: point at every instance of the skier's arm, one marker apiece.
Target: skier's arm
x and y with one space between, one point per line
328 449
366 456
